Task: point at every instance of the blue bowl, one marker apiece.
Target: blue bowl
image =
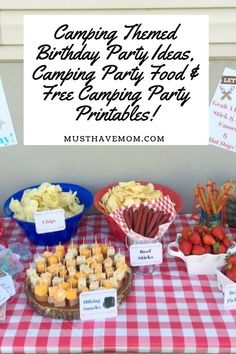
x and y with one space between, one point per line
72 223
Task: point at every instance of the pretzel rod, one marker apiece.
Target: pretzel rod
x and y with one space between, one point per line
196 194
227 186
215 193
209 186
202 198
214 189
221 198
212 203
221 204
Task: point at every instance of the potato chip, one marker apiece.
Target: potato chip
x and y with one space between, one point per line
46 197
128 193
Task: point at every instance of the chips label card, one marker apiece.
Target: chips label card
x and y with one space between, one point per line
50 221
145 254
98 304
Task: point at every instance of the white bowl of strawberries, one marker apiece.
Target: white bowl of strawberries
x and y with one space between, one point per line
226 275
203 250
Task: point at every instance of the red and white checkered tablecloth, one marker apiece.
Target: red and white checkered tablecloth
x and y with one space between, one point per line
165 312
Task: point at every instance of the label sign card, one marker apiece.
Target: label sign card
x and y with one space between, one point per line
146 254
7 133
98 304
4 295
50 221
230 297
223 112
6 282
3 312
115 79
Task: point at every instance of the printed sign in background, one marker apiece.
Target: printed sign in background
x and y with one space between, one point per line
222 131
7 133
115 80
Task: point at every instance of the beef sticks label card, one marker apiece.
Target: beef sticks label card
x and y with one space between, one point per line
222 129
7 133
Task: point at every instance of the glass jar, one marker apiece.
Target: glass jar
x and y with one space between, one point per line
231 207
210 221
231 212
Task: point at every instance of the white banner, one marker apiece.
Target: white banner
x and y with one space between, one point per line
7 133
223 112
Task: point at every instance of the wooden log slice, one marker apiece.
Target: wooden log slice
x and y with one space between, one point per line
72 313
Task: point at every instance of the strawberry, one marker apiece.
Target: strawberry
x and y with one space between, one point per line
219 233
231 274
208 240
219 248
1 227
186 247
231 259
224 269
195 238
208 248
4 243
227 241
198 250
200 229
186 232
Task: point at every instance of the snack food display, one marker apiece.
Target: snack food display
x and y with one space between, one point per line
72 223
212 201
45 197
202 249
127 194
229 268
226 274
54 283
115 228
200 240
144 220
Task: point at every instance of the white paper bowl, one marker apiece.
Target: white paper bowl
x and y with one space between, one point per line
222 280
196 265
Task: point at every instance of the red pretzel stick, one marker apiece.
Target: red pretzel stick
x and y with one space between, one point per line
135 213
130 213
153 232
127 219
165 218
155 220
139 218
143 220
